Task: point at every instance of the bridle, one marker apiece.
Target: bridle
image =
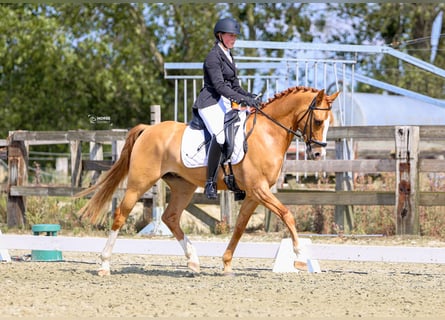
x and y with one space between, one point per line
298 133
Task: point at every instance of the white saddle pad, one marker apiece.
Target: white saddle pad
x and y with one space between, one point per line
193 149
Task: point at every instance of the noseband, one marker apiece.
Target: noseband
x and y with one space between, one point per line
300 134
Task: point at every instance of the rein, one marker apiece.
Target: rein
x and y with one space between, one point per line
298 133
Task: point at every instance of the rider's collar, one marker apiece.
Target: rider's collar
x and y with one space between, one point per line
225 50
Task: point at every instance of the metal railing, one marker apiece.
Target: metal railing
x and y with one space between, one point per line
270 78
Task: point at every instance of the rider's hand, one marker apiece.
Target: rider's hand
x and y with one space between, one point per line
251 102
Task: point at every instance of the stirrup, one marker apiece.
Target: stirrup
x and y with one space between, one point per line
210 190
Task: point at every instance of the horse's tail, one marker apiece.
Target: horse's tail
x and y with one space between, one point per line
107 185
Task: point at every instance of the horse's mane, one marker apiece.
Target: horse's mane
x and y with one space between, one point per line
289 91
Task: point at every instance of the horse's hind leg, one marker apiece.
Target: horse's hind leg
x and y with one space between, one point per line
181 193
120 216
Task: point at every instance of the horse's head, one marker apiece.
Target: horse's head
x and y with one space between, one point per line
314 124
302 114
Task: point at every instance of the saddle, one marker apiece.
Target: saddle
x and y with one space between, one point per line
230 129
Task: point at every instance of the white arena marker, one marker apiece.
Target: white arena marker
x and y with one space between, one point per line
313 266
4 254
284 261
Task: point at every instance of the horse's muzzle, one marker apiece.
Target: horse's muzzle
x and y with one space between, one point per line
315 149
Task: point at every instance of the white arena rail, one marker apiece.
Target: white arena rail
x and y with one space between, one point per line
281 252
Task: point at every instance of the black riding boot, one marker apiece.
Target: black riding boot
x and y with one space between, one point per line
213 163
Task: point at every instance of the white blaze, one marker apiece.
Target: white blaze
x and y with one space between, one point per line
325 135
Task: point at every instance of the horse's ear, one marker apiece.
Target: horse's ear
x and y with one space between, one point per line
334 96
319 98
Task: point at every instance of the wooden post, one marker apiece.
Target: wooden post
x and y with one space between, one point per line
407 180
158 189
76 163
343 213
116 150
18 176
117 146
227 205
271 221
96 153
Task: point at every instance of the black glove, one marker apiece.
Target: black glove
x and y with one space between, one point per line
256 96
251 102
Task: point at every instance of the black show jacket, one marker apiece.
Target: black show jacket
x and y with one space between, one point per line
220 79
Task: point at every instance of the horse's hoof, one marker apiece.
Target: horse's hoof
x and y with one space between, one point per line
193 266
103 273
300 265
229 274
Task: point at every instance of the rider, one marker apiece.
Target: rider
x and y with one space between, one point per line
221 88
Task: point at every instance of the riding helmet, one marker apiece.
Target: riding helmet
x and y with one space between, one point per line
227 25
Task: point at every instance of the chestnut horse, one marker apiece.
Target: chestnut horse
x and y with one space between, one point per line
153 152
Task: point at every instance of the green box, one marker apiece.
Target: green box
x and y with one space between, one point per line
46 255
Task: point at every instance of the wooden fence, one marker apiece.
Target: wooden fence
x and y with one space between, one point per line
406 162
404 158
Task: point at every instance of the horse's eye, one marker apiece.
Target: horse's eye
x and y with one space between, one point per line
318 123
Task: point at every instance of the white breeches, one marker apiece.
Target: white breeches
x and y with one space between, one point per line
213 117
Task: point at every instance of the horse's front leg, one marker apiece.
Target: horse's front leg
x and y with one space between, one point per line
244 215
272 203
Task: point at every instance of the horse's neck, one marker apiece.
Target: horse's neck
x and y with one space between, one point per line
281 137
287 110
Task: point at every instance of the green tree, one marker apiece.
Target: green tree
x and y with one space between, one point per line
60 63
35 60
121 65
